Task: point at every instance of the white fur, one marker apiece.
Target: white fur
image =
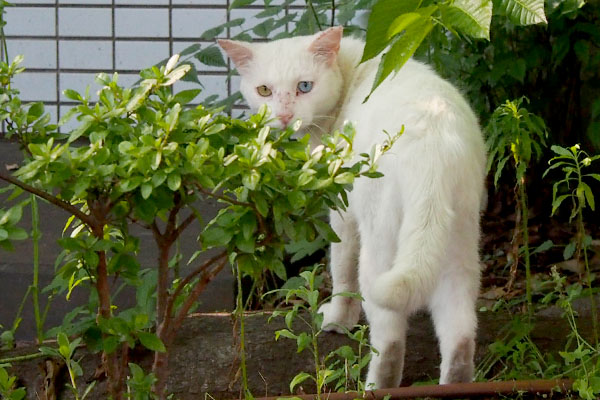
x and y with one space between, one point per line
409 239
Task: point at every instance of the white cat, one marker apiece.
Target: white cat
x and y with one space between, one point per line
409 240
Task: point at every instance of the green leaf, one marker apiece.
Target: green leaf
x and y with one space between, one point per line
547 245
402 49
146 190
186 96
524 12
324 229
298 379
384 12
589 196
302 341
569 250
174 181
211 56
240 3
151 341
285 333
344 178
557 202
216 236
471 17
72 94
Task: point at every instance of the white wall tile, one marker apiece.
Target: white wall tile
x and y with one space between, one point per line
251 21
36 86
86 54
84 22
191 23
180 46
141 22
139 55
143 2
212 84
30 21
78 82
200 2
85 1
38 53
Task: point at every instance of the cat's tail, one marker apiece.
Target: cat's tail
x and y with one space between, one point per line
440 203
423 240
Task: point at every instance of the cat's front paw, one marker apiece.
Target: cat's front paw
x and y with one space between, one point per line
338 315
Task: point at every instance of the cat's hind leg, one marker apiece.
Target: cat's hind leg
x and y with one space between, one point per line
343 312
453 310
387 336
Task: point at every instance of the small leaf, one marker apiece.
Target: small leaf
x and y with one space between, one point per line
151 341
547 245
174 181
569 250
186 96
298 379
470 17
146 190
524 12
211 56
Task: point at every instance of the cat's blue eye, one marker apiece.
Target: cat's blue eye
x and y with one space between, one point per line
305 86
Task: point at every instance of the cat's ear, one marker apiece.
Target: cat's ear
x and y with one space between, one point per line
327 44
239 52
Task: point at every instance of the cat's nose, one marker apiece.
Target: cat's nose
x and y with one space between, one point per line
285 118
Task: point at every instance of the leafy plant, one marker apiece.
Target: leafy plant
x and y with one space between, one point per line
572 162
516 356
7 385
514 134
142 157
139 384
304 295
66 352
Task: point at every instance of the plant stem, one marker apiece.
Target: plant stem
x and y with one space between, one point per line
314 12
525 233
239 311
581 234
36 235
85 218
26 357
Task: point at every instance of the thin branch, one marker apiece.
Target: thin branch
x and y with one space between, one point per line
188 279
186 222
191 299
224 198
261 223
85 218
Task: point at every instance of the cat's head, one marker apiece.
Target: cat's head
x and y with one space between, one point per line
298 78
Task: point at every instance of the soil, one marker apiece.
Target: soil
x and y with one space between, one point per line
204 359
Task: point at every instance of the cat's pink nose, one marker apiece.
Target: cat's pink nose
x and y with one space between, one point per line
285 118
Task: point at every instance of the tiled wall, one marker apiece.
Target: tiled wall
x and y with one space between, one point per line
66 42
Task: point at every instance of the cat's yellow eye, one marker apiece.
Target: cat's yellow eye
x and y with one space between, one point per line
264 91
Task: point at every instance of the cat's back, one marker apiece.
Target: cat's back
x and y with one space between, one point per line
416 98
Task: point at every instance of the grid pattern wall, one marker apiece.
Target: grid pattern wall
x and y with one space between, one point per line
66 42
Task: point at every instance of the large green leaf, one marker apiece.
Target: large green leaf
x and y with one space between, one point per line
470 17
383 14
211 56
524 12
402 49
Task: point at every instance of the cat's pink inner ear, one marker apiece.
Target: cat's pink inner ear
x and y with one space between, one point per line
327 44
239 53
